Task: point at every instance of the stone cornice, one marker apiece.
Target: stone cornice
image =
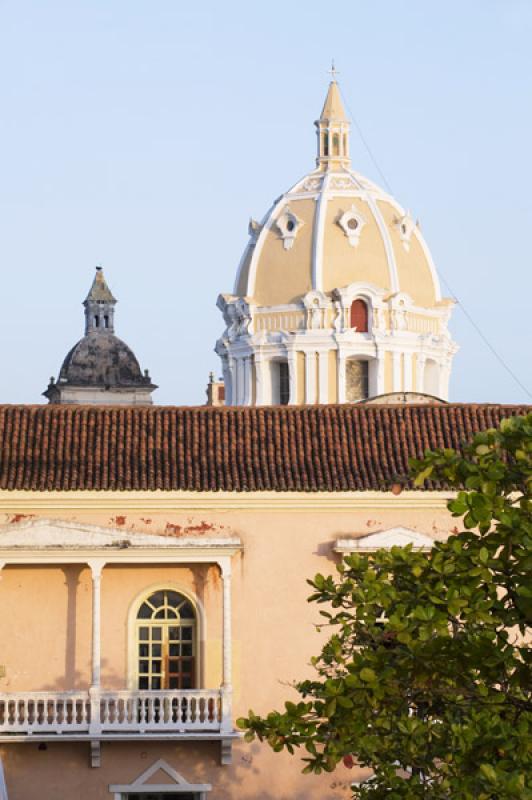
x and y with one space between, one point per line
27 502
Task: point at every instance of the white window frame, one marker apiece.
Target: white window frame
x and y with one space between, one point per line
200 631
141 786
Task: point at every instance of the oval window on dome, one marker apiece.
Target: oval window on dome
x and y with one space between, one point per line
352 223
290 225
359 315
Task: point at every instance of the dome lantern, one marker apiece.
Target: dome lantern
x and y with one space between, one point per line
336 297
333 130
99 306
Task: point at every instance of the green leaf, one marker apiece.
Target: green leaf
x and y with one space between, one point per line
489 772
368 675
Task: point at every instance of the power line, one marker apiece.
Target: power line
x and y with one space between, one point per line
477 328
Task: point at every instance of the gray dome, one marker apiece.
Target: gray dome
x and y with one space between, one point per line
102 360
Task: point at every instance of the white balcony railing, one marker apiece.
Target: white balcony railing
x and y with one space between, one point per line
198 710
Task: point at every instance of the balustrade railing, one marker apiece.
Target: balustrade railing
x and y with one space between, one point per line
111 712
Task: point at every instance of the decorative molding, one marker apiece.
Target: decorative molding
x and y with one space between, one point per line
29 502
406 226
178 786
48 534
288 225
393 537
351 222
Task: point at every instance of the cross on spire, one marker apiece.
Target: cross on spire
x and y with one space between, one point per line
333 71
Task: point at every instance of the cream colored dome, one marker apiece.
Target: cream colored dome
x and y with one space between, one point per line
336 297
347 230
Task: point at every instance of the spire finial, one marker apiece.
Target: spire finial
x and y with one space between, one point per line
333 72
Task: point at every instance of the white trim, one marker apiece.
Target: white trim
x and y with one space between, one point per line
29 502
319 232
323 376
44 535
386 239
310 377
140 785
392 537
430 262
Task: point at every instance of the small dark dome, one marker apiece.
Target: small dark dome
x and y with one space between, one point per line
102 360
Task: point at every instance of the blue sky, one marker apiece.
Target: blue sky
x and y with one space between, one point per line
143 135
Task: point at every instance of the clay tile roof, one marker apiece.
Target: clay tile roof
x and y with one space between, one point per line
280 448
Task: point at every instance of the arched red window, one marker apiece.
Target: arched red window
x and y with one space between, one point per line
359 315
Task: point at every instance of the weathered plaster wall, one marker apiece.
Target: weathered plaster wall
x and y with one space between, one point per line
47 633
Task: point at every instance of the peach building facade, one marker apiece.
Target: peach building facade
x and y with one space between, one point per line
140 621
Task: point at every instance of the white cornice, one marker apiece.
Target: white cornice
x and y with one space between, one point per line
27 502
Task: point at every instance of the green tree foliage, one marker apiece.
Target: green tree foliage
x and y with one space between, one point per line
426 678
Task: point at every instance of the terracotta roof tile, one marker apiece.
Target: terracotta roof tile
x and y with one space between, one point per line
305 449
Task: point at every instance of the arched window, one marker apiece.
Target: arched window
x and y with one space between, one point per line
336 144
106 321
166 633
280 382
359 315
356 380
325 144
96 321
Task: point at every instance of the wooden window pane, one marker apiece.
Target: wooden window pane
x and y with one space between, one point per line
359 315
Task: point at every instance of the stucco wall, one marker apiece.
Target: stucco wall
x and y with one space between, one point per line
46 637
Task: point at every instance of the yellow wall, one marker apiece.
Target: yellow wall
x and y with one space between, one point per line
345 264
285 275
413 271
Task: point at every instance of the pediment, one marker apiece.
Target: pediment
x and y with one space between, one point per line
161 777
392 537
39 534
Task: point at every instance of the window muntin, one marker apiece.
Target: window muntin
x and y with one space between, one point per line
166 642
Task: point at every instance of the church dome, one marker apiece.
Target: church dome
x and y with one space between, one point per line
333 228
102 360
100 368
336 298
